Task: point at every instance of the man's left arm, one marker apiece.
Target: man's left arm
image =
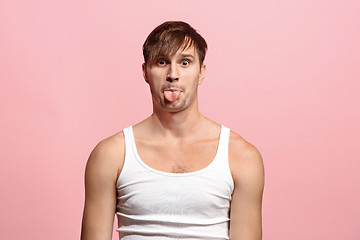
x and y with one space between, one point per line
248 174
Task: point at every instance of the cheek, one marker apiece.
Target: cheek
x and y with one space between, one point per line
157 77
192 73
195 77
155 88
154 79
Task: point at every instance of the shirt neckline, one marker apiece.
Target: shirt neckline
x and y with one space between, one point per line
133 144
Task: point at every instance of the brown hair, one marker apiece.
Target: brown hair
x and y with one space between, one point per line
167 38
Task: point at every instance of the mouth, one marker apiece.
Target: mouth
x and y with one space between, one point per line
172 94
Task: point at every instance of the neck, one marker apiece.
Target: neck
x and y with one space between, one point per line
177 124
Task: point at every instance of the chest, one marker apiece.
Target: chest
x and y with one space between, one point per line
177 158
147 199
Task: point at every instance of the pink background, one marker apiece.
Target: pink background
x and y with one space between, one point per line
283 74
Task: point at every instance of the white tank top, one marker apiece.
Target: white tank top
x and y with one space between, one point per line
153 204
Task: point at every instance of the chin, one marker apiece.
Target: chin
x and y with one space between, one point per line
173 107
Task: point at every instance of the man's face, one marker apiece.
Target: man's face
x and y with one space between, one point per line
174 80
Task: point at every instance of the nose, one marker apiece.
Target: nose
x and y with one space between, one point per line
173 74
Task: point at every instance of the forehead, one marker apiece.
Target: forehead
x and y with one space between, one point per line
188 51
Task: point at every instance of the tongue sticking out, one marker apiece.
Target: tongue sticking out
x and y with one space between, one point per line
171 95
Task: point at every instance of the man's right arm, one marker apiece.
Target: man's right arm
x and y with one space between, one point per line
101 173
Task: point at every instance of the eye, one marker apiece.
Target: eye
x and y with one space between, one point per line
161 62
185 62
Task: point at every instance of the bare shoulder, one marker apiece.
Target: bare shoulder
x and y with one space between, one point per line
244 159
108 156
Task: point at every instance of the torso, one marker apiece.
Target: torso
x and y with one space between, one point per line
159 191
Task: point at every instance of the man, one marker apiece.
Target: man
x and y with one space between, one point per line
176 174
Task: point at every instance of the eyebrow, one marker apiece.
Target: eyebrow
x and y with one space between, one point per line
187 56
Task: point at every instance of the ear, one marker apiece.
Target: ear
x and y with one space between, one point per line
143 66
202 73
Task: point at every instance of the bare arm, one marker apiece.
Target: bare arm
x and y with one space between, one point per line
248 173
101 173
